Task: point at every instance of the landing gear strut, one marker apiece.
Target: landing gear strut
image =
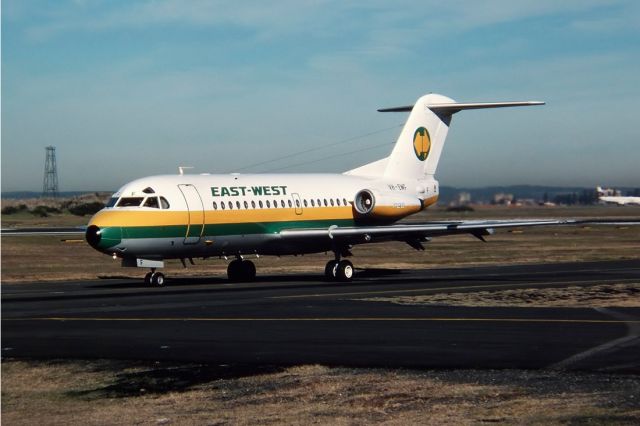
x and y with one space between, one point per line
240 270
154 278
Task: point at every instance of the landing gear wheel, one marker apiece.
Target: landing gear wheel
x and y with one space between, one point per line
241 271
248 270
234 270
147 278
344 271
330 270
157 279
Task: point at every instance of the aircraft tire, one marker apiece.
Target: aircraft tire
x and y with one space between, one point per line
248 271
234 270
330 270
344 271
157 279
147 278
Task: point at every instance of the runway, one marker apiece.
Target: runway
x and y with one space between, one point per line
300 319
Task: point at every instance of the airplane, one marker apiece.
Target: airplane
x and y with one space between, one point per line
182 216
617 199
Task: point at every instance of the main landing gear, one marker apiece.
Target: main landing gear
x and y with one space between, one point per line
240 270
339 270
154 278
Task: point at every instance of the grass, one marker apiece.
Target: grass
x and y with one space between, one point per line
118 392
604 295
45 258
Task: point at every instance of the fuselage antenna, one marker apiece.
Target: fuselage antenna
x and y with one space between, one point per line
181 169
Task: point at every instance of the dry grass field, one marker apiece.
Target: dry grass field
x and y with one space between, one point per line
120 392
48 258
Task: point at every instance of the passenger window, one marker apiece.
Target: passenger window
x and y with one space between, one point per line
222 205
319 203
230 205
215 205
298 203
304 202
130 202
268 204
164 203
344 201
289 202
275 204
253 204
152 202
238 205
331 201
260 203
325 202
282 203
313 204
246 205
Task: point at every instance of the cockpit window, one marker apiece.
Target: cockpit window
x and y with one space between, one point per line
112 202
152 202
164 203
130 201
148 190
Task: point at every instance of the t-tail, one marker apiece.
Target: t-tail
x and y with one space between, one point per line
419 146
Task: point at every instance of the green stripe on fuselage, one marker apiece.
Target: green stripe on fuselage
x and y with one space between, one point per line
216 230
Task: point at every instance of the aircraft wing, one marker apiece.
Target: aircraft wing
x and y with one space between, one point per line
79 230
411 232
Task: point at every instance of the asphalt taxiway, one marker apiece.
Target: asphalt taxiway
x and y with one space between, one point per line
300 319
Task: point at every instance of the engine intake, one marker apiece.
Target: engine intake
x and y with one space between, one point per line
364 201
368 203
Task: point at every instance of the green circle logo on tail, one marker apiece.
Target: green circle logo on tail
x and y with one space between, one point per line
421 143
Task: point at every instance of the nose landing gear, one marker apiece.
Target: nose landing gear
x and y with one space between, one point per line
154 278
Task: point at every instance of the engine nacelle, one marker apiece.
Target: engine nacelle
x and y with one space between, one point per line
372 204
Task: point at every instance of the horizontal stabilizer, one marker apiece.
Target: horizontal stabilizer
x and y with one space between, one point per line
452 108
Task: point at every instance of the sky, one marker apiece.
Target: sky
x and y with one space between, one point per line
125 89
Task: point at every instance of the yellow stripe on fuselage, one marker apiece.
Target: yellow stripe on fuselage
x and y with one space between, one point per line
155 217
146 217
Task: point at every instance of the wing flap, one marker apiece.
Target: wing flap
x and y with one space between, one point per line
421 230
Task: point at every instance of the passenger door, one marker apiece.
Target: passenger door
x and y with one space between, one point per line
195 207
297 203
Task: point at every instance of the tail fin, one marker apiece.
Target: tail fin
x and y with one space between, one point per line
418 148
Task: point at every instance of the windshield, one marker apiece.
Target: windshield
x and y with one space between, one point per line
130 201
112 202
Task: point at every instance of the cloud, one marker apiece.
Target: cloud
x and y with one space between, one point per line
323 17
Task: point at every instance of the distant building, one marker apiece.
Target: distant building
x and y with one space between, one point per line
502 198
464 198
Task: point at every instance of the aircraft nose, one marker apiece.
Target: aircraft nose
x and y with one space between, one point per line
93 236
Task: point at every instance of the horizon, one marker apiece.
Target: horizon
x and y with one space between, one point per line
131 89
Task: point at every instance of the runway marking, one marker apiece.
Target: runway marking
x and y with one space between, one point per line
380 319
628 340
418 290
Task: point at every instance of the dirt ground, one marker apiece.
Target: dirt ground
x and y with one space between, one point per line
109 392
